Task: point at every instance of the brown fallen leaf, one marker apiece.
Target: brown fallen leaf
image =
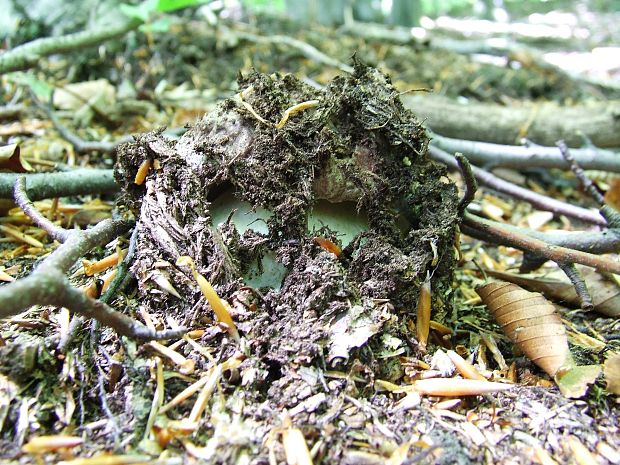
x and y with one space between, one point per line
556 286
531 322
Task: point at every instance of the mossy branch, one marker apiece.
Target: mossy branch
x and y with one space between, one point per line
83 181
27 55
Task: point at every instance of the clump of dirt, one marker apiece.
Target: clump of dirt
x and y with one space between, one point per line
352 141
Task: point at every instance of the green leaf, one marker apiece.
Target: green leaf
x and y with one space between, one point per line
166 6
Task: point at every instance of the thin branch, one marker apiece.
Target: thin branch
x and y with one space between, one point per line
484 229
81 181
579 284
610 214
115 286
529 155
471 186
120 280
537 200
22 200
306 49
80 145
579 173
27 55
48 285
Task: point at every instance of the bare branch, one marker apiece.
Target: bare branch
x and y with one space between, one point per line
27 55
470 182
497 232
21 198
579 284
537 200
529 155
48 285
611 215
80 145
63 184
579 173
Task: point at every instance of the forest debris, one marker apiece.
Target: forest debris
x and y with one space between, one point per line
200 405
574 381
185 394
328 245
76 95
581 454
162 279
294 443
90 269
143 170
353 329
158 399
295 109
454 387
20 236
108 459
10 159
186 365
543 456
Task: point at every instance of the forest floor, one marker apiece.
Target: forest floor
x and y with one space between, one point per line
320 368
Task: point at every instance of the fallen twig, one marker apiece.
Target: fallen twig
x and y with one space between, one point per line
28 54
528 155
537 200
48 285
611 215
80 145
486 229
565 258
81 181
306 49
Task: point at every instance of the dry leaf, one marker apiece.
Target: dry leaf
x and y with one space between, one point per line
531 322
556 286
574 382
611 370
10 159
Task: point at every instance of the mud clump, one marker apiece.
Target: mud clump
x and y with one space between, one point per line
350 142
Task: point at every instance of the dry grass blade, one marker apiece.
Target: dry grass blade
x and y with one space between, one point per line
110 460
464 367
423 313
214 300
42 444
451 387
531 322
